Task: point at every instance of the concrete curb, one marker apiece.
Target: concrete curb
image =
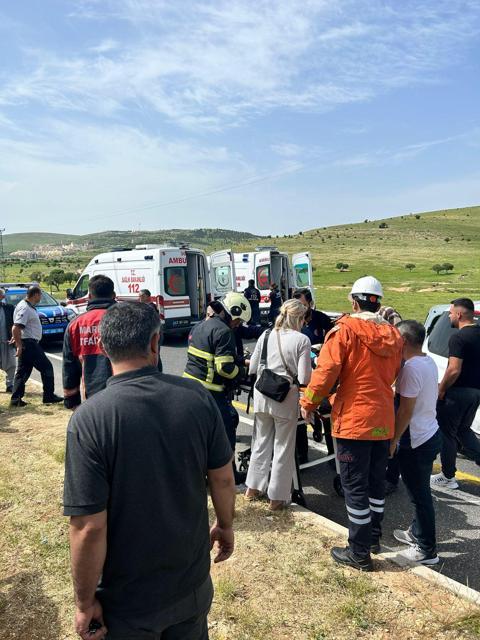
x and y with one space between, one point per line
421 571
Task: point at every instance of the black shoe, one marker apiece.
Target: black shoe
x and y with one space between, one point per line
375 548
18 403
52 400
9 390
390 488
347 557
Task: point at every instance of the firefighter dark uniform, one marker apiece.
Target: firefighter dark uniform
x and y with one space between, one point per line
212 361
363 352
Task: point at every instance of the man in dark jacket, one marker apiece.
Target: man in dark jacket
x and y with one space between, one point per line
252 294
82 356
7 351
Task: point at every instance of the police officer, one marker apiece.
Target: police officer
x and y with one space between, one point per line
252 294
363 353
27 333
7 352
212 357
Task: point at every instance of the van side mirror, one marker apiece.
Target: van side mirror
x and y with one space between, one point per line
69 293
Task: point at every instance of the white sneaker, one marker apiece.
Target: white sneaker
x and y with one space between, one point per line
416 554
241 488
440 480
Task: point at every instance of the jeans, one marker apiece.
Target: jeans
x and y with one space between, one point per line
416 468
362 471
33 356
184 620
455 415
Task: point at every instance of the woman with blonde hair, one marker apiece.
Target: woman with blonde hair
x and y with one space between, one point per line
287 355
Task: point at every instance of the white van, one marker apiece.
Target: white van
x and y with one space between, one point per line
177 278
439 330
231 272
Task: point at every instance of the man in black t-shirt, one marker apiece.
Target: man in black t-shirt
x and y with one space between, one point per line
459 392
138 453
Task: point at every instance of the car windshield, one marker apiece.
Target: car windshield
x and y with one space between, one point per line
46 300
441 333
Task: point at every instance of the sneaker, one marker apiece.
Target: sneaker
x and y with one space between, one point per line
9 389
241 487
416 554
53 400
440 480
18 403
347 557
405 537
375 548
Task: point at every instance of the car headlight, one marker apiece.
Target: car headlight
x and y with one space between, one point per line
70 314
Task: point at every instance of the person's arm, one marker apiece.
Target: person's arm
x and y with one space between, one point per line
88 548
71 372
255 359
17 338
402 420
225 355
450 376
222 492
304 364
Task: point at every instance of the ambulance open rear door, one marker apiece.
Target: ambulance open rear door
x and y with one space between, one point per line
302 270
222 273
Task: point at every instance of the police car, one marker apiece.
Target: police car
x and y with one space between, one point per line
53 317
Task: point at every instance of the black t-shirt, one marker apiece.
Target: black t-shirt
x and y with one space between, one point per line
275 299
319 325
141 449
465 344
252 294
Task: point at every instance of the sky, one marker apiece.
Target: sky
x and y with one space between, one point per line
258 115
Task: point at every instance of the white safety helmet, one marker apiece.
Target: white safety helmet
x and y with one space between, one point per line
366 286
237 306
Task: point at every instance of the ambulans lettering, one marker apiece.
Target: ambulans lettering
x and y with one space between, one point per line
177 260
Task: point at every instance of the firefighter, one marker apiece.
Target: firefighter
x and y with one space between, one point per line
212 358
363 352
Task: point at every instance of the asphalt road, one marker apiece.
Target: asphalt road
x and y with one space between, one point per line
458 511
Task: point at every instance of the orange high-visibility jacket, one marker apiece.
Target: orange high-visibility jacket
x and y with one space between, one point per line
363 353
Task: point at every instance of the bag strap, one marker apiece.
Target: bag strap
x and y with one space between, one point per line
263 357
292 375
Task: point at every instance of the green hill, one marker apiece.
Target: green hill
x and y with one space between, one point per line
451 236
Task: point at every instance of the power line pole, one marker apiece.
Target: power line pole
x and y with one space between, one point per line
2 258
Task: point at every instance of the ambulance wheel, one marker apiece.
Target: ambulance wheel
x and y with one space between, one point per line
298 498
337 485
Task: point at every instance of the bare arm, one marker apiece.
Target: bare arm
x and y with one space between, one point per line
450 376
88 548
17 338
222 491
402 420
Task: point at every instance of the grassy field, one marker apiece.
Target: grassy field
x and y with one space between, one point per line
280 584
424 239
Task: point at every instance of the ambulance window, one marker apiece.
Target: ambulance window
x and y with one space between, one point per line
223 276
263 277
301 273
175 281
81 288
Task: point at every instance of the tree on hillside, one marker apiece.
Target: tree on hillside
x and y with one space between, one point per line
70 276
410 266
383 225
447 266
55 278
437 268
341 266
36 276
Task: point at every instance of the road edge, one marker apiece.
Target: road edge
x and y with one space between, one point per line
458 589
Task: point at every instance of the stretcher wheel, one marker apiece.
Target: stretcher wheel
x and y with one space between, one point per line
299 498
317 435
337 485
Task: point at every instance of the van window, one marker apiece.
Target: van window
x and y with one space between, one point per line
223 276
175 279
263 276
301 275
81 288
441 332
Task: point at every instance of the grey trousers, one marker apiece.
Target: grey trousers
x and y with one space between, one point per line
8 362
186 619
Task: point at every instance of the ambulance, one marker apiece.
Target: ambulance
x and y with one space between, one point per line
177 278
232 271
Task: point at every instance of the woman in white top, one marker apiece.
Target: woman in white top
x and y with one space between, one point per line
276 422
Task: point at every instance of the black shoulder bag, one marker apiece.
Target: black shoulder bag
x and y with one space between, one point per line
272 384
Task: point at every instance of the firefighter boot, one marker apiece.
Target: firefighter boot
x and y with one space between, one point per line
347 557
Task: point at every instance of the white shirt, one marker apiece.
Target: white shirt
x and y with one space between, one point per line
296 351
26 316
419 379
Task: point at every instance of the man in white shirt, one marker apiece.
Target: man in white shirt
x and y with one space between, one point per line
418 440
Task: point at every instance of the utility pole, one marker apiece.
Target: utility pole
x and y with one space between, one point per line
2 257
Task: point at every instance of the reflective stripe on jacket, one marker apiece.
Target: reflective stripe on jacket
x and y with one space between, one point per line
363 353
211 355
